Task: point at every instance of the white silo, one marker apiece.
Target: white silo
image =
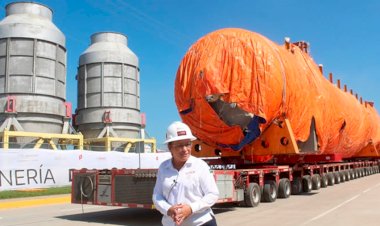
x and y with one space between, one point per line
108 88
32 70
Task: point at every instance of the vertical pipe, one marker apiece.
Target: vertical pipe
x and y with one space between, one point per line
287 43
122 85
8 58
56 82
338 83
331 77
5 140
102 84
34 79
320 66
85 87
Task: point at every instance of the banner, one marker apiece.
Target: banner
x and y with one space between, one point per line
42 168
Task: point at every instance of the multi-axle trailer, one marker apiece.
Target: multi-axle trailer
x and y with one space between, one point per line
269 125
241 184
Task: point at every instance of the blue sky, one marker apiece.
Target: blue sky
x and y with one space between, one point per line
344 37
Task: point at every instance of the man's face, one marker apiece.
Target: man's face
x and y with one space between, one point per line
181 150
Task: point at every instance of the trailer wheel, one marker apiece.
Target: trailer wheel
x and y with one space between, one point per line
330 179
361 170
342 176
252 195
316 182
357 172
306 183
284 188
348 175
269 191
324 181
337 177
296 186
351 172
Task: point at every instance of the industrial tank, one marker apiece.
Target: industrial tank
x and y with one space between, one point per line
233 84
108 88
32 70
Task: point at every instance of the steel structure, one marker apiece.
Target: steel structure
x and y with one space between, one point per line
108 88
32 70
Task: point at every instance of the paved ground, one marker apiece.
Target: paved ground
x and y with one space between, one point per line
348 204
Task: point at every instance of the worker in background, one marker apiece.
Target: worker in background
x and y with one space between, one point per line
185 189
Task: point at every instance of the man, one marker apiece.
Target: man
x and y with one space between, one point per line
185 189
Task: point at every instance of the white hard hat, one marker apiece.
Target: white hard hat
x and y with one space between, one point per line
178 131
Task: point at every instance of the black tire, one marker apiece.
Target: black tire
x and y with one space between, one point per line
336 177
296 186
316 182
269 191
352 174
324 181
306 183
330 179
348 175
284 188
252 195
342 176
358 174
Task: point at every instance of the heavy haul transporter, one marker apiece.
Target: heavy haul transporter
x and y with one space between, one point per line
269 125
237 183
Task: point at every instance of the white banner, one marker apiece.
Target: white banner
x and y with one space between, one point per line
31 168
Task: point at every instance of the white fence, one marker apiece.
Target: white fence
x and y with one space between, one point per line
30 168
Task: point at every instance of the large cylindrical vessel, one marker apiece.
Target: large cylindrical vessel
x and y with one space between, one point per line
32 69
232 84
108 87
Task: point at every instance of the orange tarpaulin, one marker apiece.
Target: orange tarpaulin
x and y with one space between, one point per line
237 72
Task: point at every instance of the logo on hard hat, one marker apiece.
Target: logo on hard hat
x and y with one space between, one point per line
181 133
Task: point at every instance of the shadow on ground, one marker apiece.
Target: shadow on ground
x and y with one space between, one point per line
119 216
131 217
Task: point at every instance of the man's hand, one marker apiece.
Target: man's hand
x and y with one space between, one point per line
179 213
